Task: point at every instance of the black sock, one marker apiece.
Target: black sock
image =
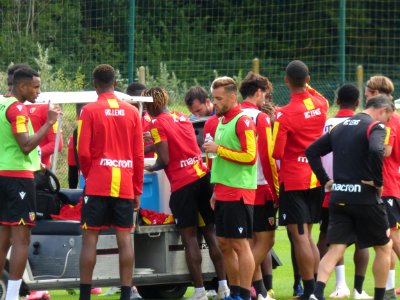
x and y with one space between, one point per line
235 290
125 293
379 293
267 281
84 291
244 294
297 279
358 283
319 289
309 286
260 288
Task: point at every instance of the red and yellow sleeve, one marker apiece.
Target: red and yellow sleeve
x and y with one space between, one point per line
84 141
17 115
390 136
279 136
265 148
157 132
245 130
138 156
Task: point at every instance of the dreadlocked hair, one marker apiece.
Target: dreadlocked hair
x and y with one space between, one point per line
160 99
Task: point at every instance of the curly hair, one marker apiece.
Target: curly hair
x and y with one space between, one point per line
160 100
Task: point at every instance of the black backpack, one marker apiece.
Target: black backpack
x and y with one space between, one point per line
48 200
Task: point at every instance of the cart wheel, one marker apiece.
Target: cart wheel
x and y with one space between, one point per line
164 291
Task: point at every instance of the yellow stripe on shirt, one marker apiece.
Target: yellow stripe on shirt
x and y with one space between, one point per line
313 181
115 182
309 104
155 135
387 135
113 103
79 133
21 124
240 156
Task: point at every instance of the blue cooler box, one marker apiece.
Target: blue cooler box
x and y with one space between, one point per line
150 198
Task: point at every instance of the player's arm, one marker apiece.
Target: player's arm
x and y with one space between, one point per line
246 133
161 148
138 156
314 152
19 123
279 138
84 141
265 148
376 153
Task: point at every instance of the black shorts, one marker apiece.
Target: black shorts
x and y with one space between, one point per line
17 201
264 217
324 220
300 206
368 224
100 212
392 205
190 205
233 219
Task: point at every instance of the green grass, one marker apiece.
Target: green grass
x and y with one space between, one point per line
283 276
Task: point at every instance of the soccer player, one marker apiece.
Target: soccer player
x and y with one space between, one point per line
198 102
110 153
253 90
296 126
180 156
355 208
19 158
391 172
347 99
234 174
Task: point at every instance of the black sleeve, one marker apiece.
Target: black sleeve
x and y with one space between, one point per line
376 152
319 148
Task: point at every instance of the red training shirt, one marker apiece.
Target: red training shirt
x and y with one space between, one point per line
110 148
296 126
185 163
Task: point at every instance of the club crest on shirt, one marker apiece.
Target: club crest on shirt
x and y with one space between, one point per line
32 216
271 221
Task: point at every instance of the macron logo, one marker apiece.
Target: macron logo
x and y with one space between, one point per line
240 229
20 107
247 122
390 201
22 195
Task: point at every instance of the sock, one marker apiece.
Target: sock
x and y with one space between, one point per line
125 293
391 279
13 289
199 290
84 291
222 283
309 286
358 283
244 294
267 282
379 293
235 290
297 279
340 276
319 289
260 288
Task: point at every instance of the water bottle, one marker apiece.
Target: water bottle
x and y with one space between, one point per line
207 139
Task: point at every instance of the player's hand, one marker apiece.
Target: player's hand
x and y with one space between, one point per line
371 183
147 137
212 201
148 168
210 147
328 185
53 113
136 203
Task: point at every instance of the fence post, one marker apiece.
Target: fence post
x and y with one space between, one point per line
142 75
360 83
342 41
131 42
256 66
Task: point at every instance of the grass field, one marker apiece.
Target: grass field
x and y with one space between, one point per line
283 276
